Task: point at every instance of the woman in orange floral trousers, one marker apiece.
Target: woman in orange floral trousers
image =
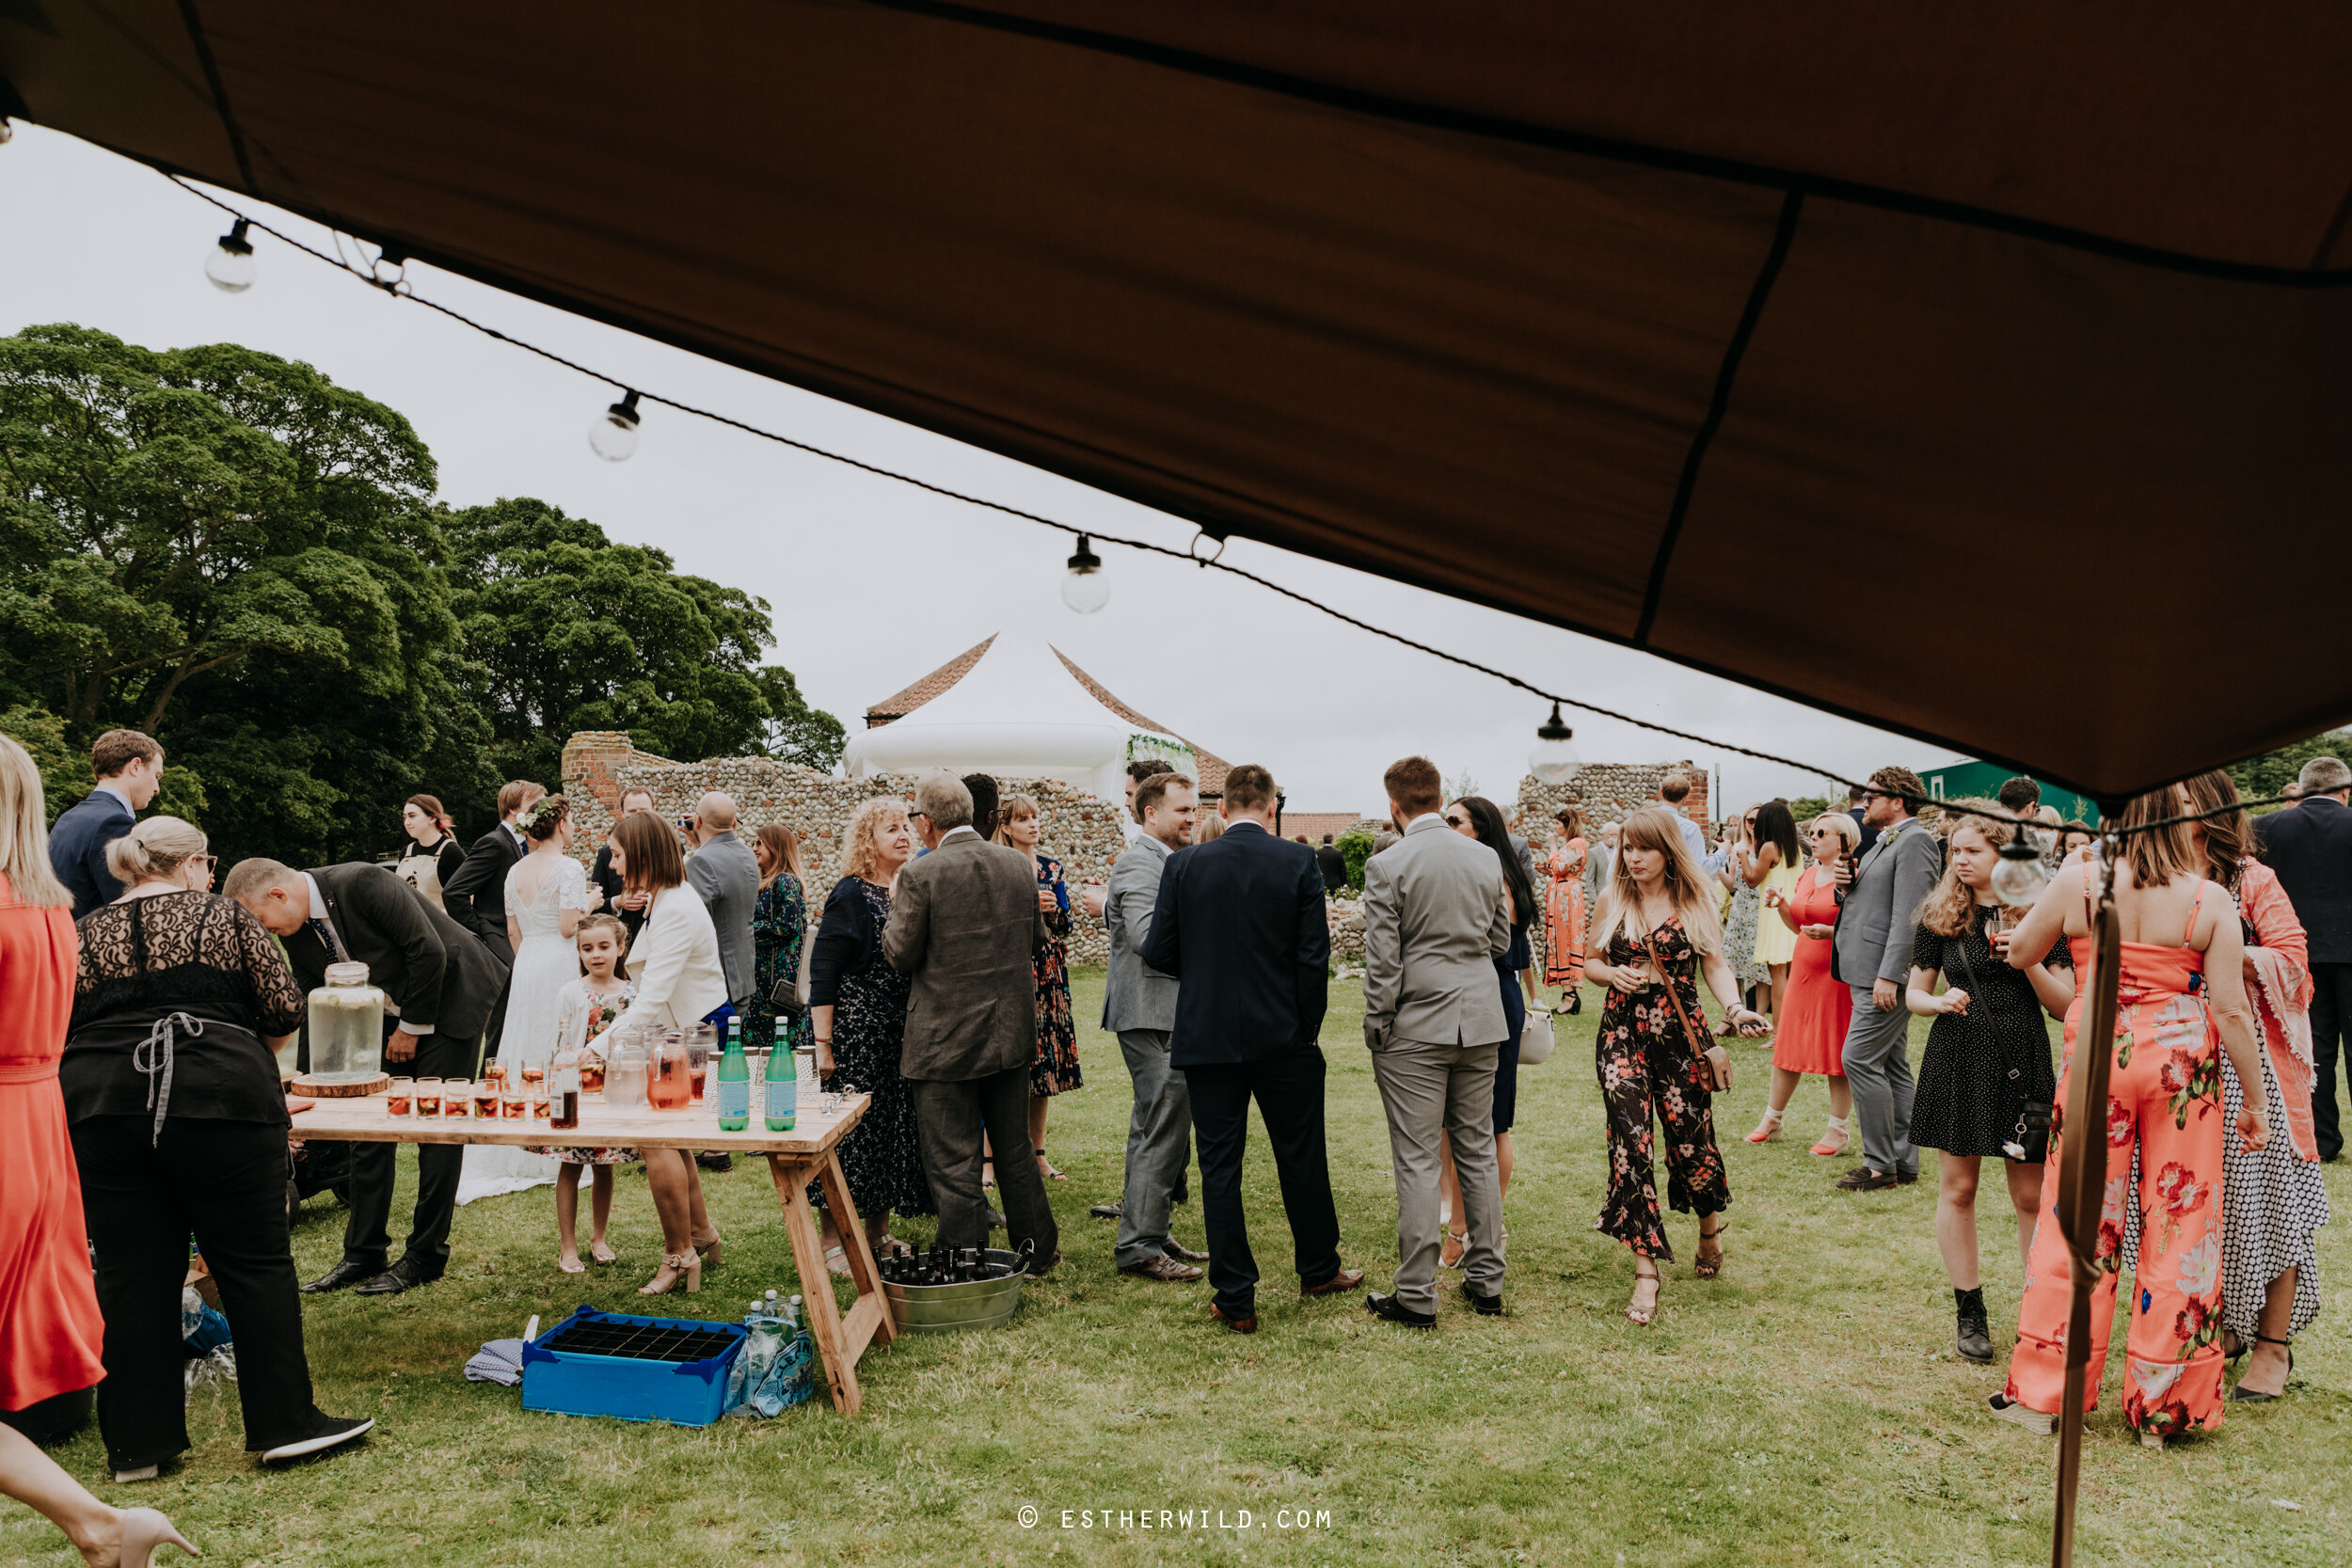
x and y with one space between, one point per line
2183 999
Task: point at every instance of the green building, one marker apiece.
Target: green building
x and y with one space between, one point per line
1957 781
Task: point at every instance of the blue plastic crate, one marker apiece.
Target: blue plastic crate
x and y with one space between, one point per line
636 1369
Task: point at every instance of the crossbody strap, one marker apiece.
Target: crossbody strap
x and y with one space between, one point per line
1698 1042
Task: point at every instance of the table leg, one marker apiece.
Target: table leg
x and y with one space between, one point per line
839 1342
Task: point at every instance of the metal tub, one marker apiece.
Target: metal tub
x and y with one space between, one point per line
948 1309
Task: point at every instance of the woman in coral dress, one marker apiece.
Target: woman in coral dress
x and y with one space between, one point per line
2183 1002
1564 910
1816 1007
49 1329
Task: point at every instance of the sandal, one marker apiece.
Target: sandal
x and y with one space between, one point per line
602 1252
1045 1168
836 1261
1456 1243
1767 1131
1636 1312
1835 1129
570 1263
1706 1265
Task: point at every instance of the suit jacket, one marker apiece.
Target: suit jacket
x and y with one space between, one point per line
476 896
1869 835
429 967
1437 915
601 875
675 964
77 848
2310 846
963 924
1881 911
1240 921
1332 861
1135 995
727 875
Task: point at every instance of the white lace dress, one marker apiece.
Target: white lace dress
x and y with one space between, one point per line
545 964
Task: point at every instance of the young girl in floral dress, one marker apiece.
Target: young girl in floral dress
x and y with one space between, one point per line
585 1008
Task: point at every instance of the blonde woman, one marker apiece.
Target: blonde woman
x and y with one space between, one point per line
857 1006
1985 1083
1657 931
51 1332
1055 1068
170 1083
1210 825
1809 1033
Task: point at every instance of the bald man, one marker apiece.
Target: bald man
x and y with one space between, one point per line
727 875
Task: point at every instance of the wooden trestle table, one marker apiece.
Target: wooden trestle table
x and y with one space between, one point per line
805 1154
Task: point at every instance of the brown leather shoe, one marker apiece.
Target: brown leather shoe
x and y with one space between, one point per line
1164 1269
1338 1284
1239 1326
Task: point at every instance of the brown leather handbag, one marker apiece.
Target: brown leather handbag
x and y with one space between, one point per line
1717 1059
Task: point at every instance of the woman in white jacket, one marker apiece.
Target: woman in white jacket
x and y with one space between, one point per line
675 962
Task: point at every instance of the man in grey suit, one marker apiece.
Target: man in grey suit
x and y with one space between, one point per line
1139 1006
1879 903
1436 918
724 874
965 924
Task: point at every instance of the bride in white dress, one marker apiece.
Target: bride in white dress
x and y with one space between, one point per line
547 892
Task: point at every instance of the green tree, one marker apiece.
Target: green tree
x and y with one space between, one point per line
225 549
2266 776
564 630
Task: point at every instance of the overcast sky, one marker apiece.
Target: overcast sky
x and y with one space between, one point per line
874 583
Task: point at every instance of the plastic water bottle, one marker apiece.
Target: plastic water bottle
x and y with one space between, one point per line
781 1098
735 1087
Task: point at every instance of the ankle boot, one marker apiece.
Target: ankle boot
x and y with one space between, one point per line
1974 1339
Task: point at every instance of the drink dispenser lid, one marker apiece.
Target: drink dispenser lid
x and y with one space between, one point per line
347 974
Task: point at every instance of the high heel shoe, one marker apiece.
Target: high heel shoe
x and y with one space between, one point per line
2243 1394
1456 1243
143 1531
686 1265
709 1246
1836 1131
1637 1313
1705 1266
1767 1131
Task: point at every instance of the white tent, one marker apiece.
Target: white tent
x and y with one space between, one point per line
1019 713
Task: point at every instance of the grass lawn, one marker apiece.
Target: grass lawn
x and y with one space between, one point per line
1804 1408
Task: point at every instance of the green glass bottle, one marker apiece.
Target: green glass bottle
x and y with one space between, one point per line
735 1087
780 1095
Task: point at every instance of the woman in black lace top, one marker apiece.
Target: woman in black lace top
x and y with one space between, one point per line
179 1128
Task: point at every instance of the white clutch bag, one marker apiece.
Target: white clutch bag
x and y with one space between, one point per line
1534 1038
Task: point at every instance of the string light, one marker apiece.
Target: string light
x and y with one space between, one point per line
1085 589
621 420
230 264
613 432
2019 879
1554 759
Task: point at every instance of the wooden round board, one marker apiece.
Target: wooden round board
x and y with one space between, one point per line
312 1089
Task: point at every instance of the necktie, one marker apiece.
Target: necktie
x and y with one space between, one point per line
326 934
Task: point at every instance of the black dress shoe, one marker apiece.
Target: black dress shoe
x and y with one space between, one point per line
1183 1193
1488 1306
407 1274
1907 1177
1862 1178
1184 1254
1388 1309
715 1162
341 1277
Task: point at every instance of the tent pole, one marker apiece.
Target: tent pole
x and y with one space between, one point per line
2082 1194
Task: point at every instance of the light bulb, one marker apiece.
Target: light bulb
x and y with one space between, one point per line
230 264
2019 879
1085 589
1553 760
613 434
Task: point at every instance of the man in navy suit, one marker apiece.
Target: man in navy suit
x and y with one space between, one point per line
129 768
1240 921
2310 846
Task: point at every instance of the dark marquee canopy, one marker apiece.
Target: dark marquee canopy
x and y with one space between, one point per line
1977 371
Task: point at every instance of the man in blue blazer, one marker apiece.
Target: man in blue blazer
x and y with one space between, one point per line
1240 921
129 768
